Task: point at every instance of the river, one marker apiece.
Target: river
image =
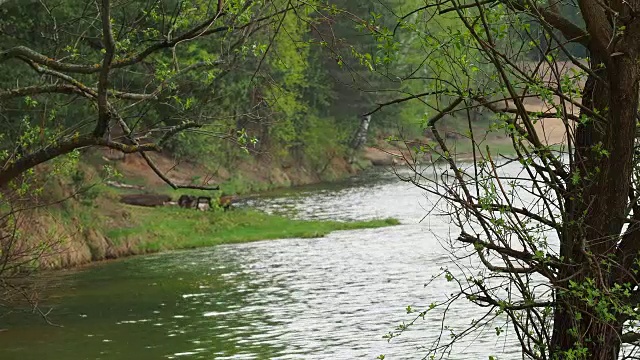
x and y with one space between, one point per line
327 298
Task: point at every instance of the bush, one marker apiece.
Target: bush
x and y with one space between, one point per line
322 141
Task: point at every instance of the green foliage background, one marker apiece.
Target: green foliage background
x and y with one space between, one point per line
295 90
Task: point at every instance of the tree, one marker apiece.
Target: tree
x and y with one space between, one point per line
133 76
126 68
555 236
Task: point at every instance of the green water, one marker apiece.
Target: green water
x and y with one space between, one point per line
327 298
130 309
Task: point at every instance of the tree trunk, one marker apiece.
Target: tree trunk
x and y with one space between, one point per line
579 332
596 200
359 137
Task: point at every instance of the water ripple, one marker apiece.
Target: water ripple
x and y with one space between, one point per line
327 298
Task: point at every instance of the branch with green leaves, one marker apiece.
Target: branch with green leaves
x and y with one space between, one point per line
113 101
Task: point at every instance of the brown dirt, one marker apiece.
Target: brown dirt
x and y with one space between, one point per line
181 173
264 171
552 131
377 156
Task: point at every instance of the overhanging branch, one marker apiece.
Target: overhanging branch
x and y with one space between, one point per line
445 111
40 89
70 90
14 168
172 131
571 31
401 100
27 54
514 306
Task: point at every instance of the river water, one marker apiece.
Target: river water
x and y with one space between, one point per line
327 298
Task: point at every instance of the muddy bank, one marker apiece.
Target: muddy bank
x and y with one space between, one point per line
95 225
244 177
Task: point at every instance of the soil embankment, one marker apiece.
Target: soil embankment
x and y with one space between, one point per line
94 224
551 130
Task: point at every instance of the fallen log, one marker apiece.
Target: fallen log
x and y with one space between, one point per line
145 199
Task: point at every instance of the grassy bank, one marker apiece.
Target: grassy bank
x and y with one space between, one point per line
93 225
79 234
158 229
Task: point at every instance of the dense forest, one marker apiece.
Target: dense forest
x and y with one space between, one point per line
297 84
288 82
288 85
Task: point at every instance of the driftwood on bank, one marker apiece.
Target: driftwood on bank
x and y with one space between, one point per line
205 202
202 203
145 199
195 202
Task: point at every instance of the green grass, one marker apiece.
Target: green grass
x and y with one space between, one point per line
159 229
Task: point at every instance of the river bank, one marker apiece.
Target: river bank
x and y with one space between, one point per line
152 230
93 225
133 230
332 297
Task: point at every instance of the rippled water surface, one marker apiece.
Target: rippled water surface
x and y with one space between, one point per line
328 298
